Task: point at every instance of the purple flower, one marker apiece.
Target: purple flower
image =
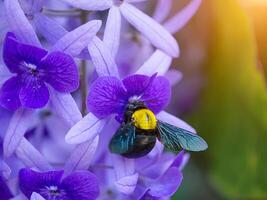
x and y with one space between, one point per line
5 193
34 70
109 95
80 185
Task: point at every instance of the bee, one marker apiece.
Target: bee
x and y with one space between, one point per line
140 130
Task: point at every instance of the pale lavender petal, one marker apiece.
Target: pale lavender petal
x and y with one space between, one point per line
85 130
134 1
177 22
65 107
90 5
20 122
36 196
19 23
106 96
168 184
158 94
4 170
102 58
81 157
181 160
30 156
159 62
75 41
151 29
125 174
82 185
174 76
60 71
167 117
9 94
112 30
33 93
50 29
162 10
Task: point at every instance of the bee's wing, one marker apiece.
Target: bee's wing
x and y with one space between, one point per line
123 140
175 138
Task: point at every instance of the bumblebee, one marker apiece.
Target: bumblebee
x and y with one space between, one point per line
138 134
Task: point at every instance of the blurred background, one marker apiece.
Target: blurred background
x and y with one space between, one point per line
223 95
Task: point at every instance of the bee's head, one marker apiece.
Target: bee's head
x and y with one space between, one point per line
132 107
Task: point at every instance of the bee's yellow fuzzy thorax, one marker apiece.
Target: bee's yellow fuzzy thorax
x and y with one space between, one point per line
144 119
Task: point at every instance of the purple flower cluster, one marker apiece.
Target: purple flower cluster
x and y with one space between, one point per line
65 82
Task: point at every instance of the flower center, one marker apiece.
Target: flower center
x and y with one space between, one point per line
51 192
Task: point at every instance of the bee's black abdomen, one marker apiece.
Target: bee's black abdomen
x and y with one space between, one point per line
143 144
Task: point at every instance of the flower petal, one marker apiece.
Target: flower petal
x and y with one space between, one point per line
125 174
5 193
102 58
50 29
85 130
31 181
136 84
36 196
166 185
75 41
19 23
65 107
81 185
174 76
61 72
162 10
34 93
112 30
158 94
4 170
20 122
106 97
151 29
181 160
90 5
159 63
177 22
9 94
81 157
30 156
167 117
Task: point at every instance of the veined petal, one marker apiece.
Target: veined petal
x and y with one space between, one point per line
36 196
162 10
177 22
18 125
112 30
31 181
50 29
157 95
90 5
19 23
171 119
81 157
75 41
9 94
166 185
65 106
125 174
30 156
159 62
85 130
82 185
33 93
151 29
61 72
102 58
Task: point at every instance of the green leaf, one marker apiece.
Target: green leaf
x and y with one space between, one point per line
233 109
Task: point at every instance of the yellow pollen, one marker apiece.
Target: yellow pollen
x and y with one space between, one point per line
144 119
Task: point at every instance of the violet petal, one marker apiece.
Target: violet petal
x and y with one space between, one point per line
162 10
31 181
9 94
158 94
107 96
61 72
82 185
90 5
